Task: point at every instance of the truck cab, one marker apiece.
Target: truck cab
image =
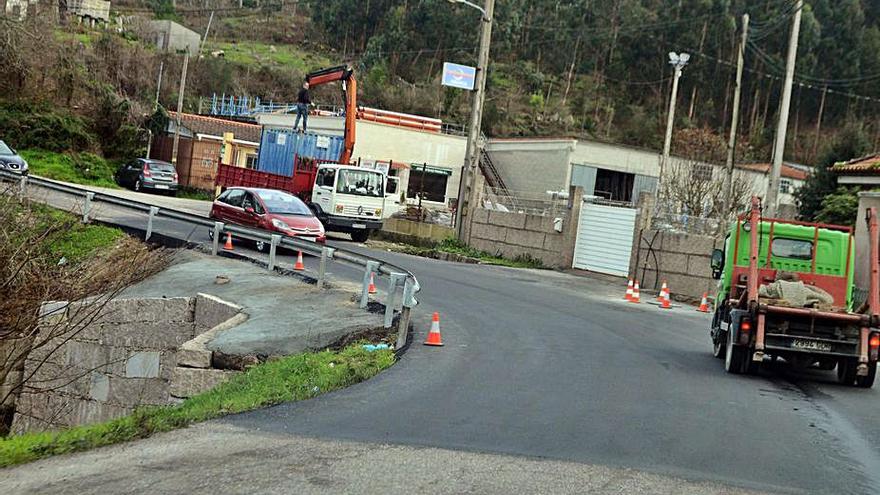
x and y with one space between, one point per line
349 199
767 270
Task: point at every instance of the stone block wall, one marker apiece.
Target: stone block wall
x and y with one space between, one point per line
123 357
679 258
516 234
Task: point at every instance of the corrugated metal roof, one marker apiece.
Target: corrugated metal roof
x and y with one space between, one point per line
787 170
200 124
866 165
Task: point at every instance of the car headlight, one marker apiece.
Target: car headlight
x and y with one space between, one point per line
280 224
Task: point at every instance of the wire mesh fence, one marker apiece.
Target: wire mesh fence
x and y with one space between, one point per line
548 204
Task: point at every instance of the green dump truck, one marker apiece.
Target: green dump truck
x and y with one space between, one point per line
786 292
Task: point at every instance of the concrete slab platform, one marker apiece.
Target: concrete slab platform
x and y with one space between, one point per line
285 315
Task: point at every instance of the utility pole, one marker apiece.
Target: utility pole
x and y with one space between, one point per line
678 61
779 148
472 152
155 107
205 38
731 143
179 109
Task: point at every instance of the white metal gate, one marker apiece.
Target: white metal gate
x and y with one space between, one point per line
604 239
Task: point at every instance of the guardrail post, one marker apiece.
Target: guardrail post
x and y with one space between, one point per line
273 248
87 206
153 211
394 281
405 313
326 253
371 268
218 231
22 186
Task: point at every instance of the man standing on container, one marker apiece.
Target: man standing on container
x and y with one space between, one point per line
302 106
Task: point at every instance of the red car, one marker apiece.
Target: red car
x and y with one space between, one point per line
268 209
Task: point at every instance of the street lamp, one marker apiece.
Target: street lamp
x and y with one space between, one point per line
472 5
678 61
469 171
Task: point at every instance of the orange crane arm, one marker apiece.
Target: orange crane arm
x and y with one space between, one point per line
349 92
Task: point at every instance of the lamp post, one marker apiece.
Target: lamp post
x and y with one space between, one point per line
678 61
469 170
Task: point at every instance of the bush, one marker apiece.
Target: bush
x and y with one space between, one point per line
840 208
29 125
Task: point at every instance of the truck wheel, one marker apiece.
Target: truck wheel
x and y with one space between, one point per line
360 235
867 381
736 358
719 338
846 371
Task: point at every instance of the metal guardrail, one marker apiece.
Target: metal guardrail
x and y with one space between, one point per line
398 277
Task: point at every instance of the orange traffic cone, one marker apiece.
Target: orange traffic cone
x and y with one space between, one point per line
371 289
704 305
228 245
629 290
665 303
635 296
434 335
663 290
299 266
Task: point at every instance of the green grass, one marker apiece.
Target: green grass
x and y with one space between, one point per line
79 168
192 193
256 53
78 241
291 378
454 246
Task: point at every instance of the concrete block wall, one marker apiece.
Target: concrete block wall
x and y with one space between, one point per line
679 258
421 230
515 234
109 365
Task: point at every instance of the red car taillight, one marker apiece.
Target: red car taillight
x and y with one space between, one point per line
874 346
147 171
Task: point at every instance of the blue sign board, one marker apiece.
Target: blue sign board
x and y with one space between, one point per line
459 76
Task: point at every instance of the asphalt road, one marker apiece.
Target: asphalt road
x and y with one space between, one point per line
557 366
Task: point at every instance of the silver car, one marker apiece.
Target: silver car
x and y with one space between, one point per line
10 160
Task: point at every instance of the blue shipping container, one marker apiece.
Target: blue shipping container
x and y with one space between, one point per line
278 147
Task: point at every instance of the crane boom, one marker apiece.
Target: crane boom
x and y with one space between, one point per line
345 74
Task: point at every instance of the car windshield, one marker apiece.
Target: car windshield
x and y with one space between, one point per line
161 167
283 203
5 150
360 182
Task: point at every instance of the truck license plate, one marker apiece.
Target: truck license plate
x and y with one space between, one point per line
810 345
359 226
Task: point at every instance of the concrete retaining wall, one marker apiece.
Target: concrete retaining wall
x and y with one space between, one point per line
515 234
421 230
124 358
680 259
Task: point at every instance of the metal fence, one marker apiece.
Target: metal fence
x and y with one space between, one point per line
400 279
547 204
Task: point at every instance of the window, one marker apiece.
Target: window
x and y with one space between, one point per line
391 186
702 171
249 201
5 150
235 197
784 186
326 177
283 203
361 183
616 186
429 183
792 248
250 161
